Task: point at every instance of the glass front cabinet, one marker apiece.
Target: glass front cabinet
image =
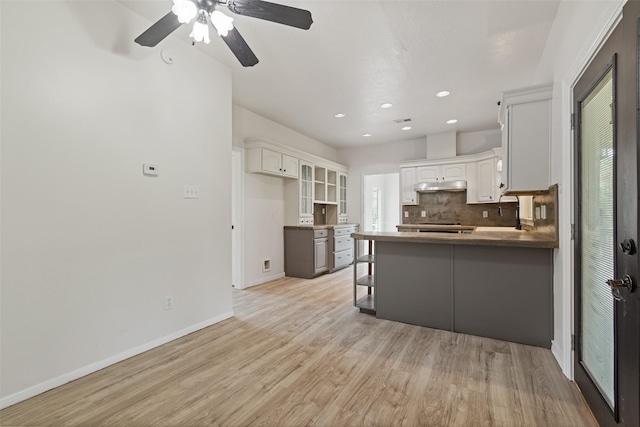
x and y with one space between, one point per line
342 201
306 192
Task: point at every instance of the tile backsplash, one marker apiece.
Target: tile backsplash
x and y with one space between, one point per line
451 207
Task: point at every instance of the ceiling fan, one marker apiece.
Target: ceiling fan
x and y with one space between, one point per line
204 12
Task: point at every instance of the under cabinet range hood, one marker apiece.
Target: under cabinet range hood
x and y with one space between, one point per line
431 187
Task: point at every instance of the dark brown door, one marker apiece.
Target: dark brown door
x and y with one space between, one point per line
607 354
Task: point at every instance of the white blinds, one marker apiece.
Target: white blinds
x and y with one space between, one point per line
596 222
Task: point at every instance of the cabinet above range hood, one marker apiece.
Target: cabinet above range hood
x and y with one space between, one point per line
431 187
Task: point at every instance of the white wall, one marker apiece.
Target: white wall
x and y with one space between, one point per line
480 141
90 247
247 125
264 196
579 28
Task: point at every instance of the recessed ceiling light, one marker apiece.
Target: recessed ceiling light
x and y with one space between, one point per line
366 134
386 105
443 93
406 128
452 121
339 115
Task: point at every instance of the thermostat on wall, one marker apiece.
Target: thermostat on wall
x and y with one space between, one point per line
150 169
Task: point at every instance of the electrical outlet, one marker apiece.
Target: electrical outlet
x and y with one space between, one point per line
423 214
537 212
191 192
543 211
406 214
266 265
485 214
168 302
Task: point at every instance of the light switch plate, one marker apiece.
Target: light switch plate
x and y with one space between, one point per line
406 214
543 211
423 214
485 214
191 192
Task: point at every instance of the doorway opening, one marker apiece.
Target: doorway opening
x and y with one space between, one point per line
381 202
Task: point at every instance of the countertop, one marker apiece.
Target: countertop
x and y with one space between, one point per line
435 227
489 236
318 227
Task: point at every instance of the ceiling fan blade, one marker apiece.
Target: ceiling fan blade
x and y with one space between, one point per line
240 48
279 13
158 31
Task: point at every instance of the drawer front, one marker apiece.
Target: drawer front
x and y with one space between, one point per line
346 231
320 233
342 258
342 243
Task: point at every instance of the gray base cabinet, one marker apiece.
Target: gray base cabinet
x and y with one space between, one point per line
306 252
492 291
342 246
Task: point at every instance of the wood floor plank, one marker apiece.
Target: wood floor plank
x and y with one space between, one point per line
298 353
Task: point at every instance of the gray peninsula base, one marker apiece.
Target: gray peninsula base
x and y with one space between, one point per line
492 291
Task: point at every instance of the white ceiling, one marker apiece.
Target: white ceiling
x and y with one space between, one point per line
360 54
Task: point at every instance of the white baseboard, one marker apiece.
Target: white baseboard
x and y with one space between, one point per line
93 367
262 280
559 355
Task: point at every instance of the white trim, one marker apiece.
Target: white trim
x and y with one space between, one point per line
96 366
262 280
467 158
241 217
557 352
600 32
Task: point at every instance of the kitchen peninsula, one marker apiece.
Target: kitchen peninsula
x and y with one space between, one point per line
493 281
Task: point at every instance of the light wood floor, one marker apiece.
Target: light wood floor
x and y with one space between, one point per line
298 353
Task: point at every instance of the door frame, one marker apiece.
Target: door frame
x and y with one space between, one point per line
237 183
592 392
363 175
561 344
626 382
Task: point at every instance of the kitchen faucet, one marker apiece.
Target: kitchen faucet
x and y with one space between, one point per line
518 224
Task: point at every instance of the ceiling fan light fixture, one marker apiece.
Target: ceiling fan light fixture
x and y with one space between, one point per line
185 10
200 29
221 22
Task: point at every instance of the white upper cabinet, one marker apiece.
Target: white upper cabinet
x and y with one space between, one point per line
454 172
264 160
289 166
440 173
486 183
525 116
427 174
408 194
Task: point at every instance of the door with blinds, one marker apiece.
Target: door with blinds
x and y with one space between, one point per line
607 358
